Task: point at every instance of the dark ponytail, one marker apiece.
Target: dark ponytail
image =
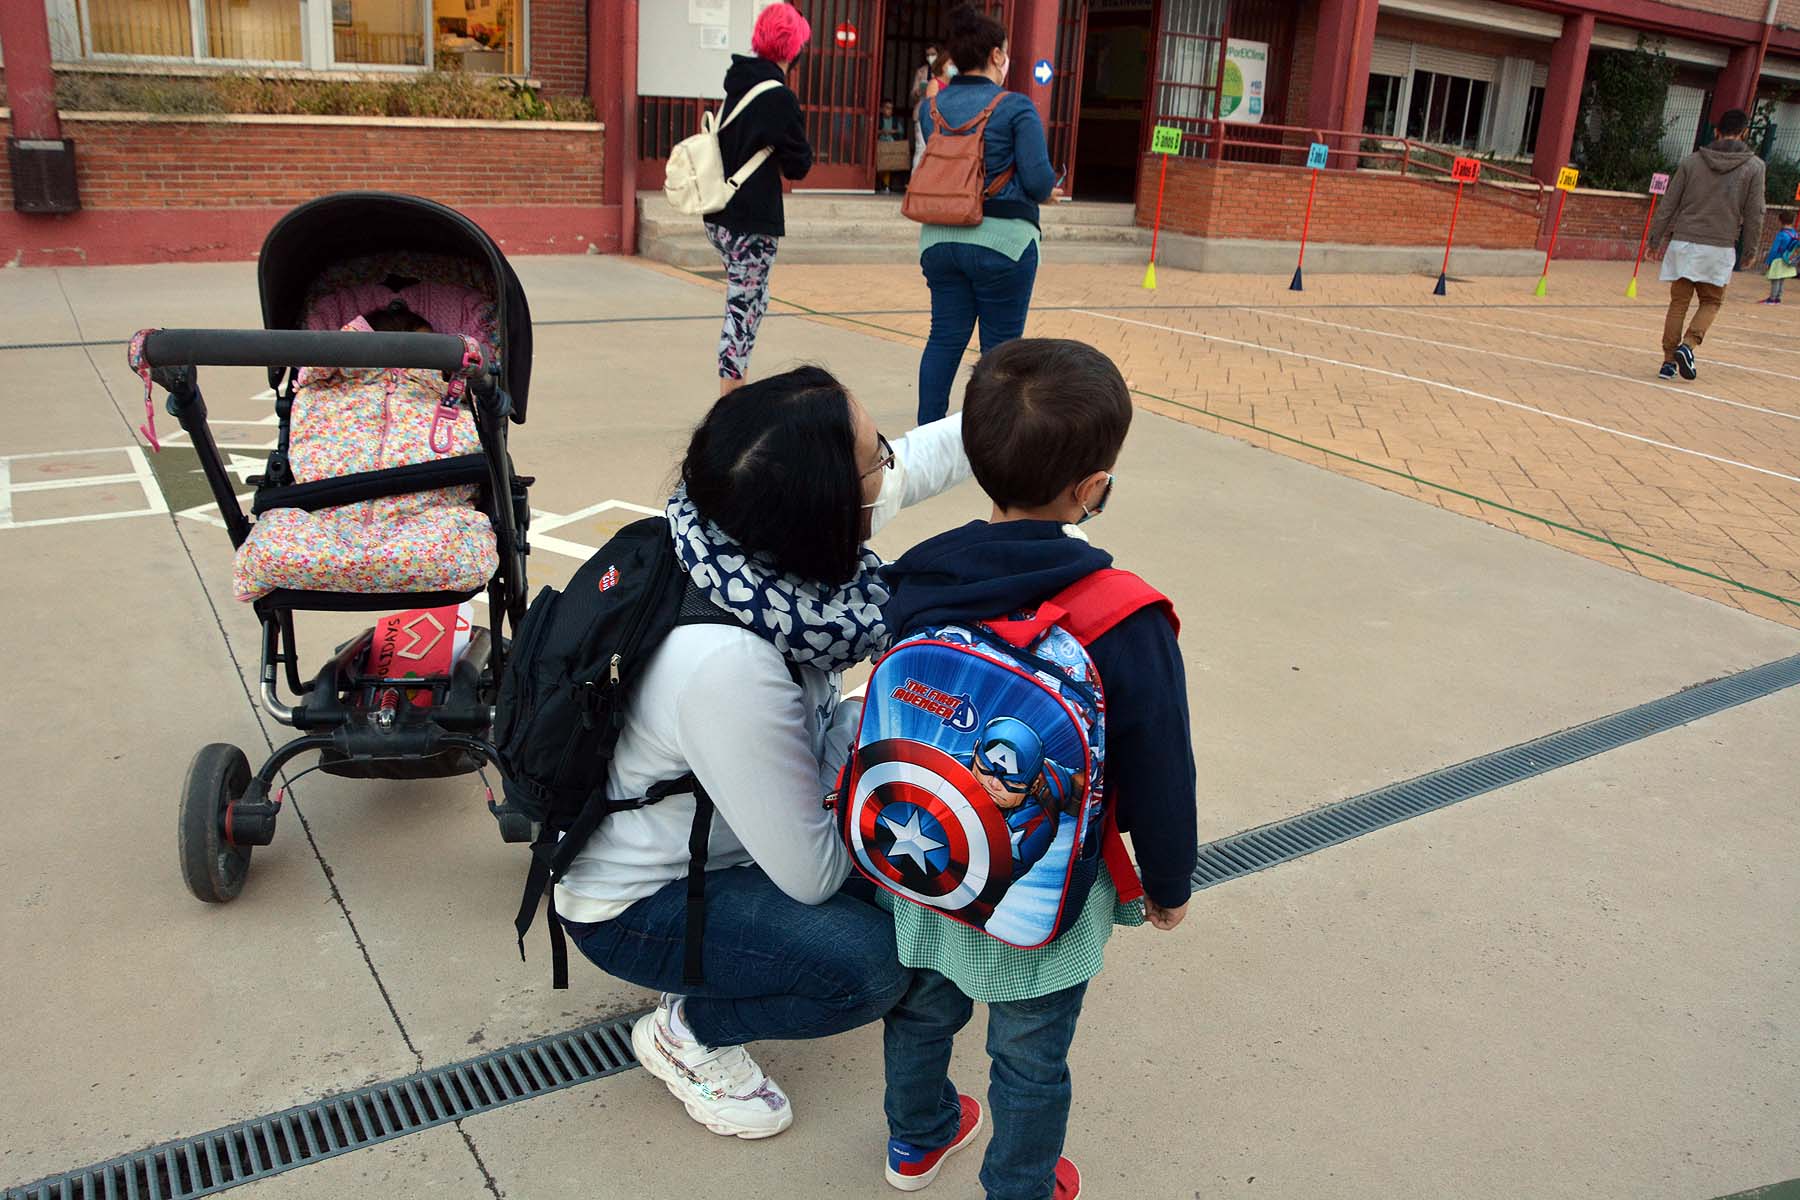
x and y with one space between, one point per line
974 36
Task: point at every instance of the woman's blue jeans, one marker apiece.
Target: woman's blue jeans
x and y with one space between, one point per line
775 968
969 284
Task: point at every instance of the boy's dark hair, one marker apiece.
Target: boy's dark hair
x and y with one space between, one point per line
974 36
1040 415
774 466
1733 123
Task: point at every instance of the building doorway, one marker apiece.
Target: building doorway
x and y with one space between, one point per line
1115 83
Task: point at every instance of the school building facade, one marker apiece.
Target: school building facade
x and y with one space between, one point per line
1394 87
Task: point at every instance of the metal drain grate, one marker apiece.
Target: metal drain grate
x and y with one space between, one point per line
298 1137
1258 849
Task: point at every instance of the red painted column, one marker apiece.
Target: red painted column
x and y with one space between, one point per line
1356 79
1032 36
1331 56
612 86
1736 83
1562 97
30 84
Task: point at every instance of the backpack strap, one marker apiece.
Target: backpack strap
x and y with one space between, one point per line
754 163
977 123
1088 608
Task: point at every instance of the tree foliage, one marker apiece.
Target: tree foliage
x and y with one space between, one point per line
1622 123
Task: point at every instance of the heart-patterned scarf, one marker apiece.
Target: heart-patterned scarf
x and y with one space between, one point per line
813 624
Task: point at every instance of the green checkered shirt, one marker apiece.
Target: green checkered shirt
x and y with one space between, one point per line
993 972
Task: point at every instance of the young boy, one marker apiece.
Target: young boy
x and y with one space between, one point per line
1043 421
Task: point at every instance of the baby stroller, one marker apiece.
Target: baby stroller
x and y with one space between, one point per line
347 254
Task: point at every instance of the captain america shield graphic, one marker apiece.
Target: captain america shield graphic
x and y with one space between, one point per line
926 831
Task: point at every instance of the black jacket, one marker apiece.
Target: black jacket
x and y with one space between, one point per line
981 571
772 119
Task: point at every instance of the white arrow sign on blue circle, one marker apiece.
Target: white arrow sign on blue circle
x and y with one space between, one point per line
1042 71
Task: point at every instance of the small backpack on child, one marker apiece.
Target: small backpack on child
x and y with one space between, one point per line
945 188
976 786
695 181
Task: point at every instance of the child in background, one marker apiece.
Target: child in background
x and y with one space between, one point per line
1783 255
1043 420
892 129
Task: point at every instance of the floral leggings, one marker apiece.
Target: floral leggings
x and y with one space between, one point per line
747 258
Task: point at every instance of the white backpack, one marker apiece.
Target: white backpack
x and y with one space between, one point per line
695 181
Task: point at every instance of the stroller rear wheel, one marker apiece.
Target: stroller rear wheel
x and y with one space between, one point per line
213 868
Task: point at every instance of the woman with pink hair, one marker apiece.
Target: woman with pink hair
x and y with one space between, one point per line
746 231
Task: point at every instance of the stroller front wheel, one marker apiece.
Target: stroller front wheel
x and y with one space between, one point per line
212 867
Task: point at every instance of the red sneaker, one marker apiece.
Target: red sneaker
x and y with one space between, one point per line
910 1168
1068 1180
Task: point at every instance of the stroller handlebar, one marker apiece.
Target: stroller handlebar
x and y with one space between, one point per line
302 348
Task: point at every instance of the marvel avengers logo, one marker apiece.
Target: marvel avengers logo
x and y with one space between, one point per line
958 712
923 827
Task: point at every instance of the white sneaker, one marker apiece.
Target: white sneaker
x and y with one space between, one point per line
723 1089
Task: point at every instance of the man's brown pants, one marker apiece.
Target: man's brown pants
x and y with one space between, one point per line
1681 293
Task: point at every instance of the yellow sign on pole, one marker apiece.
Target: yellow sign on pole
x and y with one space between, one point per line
1566 178
1165 139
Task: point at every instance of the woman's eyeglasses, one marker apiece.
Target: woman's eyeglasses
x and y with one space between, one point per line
884 457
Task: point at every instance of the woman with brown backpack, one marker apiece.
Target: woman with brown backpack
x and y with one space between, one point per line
976 190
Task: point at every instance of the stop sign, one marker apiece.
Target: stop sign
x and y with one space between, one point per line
846 35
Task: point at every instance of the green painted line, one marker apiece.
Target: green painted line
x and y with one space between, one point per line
1774 1191
1600 538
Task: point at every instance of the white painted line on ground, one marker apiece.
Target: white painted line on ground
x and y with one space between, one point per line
593 510
70 453
153 495
1558 337
1542 362
556 545
5 493
1448 387
85 517
1710 338
50 485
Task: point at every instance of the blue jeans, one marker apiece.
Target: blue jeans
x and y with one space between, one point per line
775 968
1028 1082
969 284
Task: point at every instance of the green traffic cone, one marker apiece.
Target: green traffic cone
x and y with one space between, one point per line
1150 275
1543 285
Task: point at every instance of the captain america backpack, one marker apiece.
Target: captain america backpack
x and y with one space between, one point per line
976 786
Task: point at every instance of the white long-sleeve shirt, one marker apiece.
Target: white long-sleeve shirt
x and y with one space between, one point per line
719 701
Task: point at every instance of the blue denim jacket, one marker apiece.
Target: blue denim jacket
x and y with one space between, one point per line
1014 138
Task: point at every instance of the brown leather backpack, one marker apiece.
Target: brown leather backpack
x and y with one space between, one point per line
946 185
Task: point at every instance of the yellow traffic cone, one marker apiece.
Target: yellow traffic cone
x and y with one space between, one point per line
1542 287
1150 275
1631 289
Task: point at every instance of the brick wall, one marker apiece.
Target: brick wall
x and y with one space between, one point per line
559 45
1244 200
1609 225
165 188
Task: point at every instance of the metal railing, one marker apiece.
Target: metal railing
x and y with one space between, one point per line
1217 140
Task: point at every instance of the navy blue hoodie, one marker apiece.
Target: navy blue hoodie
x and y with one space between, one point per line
982 571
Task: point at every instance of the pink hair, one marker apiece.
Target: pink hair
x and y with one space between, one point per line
780 34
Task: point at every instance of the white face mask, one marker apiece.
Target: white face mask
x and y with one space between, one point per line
931 57
887 500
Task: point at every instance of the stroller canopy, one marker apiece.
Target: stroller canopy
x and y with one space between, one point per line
326 233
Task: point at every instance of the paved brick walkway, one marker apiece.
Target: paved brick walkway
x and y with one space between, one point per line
1543 416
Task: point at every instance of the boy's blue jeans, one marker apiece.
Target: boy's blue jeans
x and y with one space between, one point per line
1028 1083
969 284
775 968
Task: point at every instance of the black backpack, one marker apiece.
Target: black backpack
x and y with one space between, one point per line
564 698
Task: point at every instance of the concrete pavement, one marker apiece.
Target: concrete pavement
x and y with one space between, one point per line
1584 985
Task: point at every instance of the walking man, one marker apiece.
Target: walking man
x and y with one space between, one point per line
1716 190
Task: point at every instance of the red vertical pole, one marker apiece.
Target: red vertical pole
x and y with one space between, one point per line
1454 209
1644 242
1305 229
1551 252
1156 230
